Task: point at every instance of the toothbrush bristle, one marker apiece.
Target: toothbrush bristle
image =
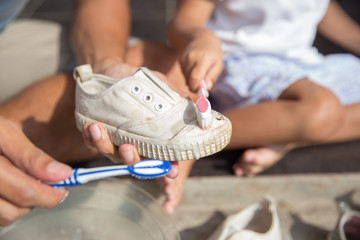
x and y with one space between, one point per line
150 169
206 124
142 177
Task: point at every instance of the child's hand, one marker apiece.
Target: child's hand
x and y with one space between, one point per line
202 60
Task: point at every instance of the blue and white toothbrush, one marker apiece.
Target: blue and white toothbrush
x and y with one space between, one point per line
146 169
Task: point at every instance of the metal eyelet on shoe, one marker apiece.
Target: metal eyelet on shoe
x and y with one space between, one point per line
147 98
159 107
135 89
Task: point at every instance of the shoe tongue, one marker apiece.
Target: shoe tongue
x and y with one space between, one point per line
144 72
140 73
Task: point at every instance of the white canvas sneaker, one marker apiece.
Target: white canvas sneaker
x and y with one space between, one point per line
259 221
143 111
348 224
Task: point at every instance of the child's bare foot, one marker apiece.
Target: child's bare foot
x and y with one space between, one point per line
173 188
254 161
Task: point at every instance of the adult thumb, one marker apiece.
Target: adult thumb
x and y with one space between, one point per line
21 152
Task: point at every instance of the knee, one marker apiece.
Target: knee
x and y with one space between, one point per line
322 118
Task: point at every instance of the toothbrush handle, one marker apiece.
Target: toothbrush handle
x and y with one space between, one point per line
84 175
203 89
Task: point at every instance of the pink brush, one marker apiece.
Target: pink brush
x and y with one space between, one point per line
203 107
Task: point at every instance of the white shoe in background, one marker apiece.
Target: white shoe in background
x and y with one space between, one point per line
259 221
348 224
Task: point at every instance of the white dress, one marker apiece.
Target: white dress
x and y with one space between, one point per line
268 45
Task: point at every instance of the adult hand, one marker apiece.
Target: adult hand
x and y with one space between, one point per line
95 136
114 67
22 165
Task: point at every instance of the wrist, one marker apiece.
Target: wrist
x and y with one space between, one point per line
96 52
105 63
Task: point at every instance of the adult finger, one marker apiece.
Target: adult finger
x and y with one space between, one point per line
101 140
87 136
23 190
126 153
18 149
129 154
10 212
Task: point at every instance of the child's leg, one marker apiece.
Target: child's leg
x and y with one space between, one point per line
174 187
339 73
350 129
161 58
256 160
305 113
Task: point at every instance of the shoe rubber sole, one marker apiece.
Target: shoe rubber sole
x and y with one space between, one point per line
161 149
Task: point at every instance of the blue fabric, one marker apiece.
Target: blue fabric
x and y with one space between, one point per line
10 9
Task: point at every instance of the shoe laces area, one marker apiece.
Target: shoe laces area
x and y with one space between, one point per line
147 98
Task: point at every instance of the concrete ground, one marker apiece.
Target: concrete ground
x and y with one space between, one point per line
308 184
307 203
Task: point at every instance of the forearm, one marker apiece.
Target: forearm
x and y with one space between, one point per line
188 23
198 48
45 112
180 37
100 30
340 28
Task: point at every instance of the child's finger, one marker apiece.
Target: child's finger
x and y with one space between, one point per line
186 66
213 74
198 73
